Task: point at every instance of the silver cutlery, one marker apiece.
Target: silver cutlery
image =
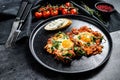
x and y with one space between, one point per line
18 22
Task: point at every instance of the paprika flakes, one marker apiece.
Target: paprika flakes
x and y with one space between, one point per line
104 7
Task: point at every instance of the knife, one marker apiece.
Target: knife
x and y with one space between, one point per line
17 23
18 30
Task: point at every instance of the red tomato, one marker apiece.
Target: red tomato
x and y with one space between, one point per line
56 8
49 7
65 11
54 12
46 14
38 15
68 4
61 7
73 11
41 9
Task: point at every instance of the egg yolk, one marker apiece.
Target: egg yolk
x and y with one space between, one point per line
67 43
86 37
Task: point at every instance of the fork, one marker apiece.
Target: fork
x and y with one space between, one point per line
17 24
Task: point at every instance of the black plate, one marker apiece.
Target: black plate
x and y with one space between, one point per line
39 38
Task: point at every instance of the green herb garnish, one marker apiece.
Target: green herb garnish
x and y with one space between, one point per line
67 54
56 44
81 52
93 12
58 34
79 37
75 48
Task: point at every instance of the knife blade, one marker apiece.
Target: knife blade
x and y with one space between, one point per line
18 30
16 23
14 27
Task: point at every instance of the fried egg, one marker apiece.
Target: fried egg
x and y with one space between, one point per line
63 41
84 38
60 41
61 46
77 42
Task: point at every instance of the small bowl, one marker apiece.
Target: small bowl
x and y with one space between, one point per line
105 9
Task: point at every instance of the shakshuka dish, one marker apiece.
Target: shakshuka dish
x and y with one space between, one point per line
78 42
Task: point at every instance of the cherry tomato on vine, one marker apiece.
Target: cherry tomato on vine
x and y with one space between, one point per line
38 15
56 8
46 14
54 12
64 11
73 11
49 7
61 7
41 9
68 4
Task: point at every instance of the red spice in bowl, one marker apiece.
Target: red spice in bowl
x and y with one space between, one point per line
104 7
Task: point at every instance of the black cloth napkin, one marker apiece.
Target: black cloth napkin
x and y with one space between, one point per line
9 10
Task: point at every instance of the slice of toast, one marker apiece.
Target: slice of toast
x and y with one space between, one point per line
58 24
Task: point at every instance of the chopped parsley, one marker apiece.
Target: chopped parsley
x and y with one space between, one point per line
87 44
67 54
79 37
56 44
81 52
58 34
